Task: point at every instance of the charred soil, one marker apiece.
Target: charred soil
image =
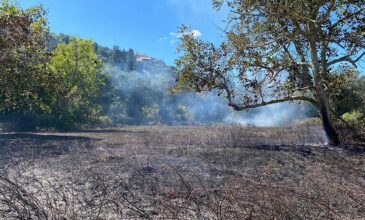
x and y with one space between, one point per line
201 172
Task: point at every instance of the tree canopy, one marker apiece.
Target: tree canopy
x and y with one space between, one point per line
23 58
44 86
276 51
77 70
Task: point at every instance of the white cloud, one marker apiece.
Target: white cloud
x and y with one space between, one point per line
173 37
195 33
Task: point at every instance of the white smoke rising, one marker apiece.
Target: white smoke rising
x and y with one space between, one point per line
272 115
153 76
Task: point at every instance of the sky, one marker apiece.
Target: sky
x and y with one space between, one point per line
147 26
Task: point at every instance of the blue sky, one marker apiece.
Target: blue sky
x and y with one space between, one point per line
147 26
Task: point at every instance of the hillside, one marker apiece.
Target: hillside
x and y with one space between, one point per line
142 82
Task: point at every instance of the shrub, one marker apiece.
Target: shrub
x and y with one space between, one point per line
355 119
354 130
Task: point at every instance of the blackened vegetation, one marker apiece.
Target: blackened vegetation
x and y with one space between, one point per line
19 146
206 172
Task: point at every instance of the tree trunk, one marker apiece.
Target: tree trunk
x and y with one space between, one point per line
320 68
324 111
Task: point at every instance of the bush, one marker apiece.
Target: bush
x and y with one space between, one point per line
104 121
355 118
354 130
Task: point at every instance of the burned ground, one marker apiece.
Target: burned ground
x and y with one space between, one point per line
202 172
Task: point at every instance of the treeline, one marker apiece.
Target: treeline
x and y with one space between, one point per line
42 86
123 59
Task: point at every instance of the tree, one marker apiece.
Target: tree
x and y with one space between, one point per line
79 82
23 57
361 83
130 61
276 51
47 80
24 81
345 91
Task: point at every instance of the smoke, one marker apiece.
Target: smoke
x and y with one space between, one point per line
272 115
212 109
144 99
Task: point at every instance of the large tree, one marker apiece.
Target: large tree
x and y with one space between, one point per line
43 84
23 57
276 51
80 82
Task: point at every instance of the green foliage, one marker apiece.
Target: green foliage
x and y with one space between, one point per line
143 99
352 117
361 83
58 81
151 112
47 85
138 101
356 119
275 45
276 51
183 113
23 79
124 60
346 90
104 121
76 99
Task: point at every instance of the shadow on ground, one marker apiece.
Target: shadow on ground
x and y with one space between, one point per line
40 137
20 146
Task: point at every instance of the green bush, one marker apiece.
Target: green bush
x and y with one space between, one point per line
104 121
357 121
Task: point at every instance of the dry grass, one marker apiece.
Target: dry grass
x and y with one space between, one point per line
205 172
